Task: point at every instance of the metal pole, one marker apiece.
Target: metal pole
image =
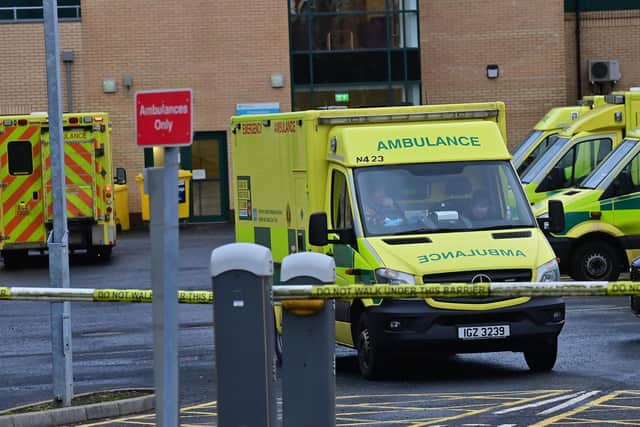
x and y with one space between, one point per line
163 227
58 247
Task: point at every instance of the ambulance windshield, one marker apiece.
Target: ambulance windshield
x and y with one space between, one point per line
544 161
441 197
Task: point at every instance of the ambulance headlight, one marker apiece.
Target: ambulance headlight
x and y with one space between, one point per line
549 272
393 277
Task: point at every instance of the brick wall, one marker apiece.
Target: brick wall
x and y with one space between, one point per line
459 38
223 50
226 52
603 35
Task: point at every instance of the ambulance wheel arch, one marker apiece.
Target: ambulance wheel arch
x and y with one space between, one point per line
597 256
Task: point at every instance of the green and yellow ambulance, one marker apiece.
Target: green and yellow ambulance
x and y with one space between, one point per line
602 231
544 133
546 130
314 181
582 146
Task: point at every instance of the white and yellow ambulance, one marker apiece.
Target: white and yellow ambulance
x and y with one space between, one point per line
393 195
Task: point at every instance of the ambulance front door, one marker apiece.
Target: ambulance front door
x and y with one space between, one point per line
21 192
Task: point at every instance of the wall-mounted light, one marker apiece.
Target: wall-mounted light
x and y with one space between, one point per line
109 85
127 81
67 56
493 71
277 80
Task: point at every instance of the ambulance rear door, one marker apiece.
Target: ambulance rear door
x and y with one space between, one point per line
21 192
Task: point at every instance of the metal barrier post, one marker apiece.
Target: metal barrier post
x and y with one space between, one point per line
242 274
308 340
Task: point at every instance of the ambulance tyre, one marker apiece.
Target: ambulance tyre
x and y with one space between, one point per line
371 361
14 258
595 260
541 356
277 343
100 253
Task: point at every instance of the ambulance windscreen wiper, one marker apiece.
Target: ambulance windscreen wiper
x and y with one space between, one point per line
503 227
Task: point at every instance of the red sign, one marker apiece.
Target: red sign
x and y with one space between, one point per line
164 118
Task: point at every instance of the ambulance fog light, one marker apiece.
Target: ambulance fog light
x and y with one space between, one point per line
395 325
557 316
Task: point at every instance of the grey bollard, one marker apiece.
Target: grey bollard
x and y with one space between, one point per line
308 342
242 274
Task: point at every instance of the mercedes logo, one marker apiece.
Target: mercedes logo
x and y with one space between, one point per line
481 278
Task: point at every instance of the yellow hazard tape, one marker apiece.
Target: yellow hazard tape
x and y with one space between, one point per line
195 297
139 295
5 293
122 295
400 291
623 288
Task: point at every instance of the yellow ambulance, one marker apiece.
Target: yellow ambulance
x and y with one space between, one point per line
602 232
544 133
582 146
402 195
26 197
546 130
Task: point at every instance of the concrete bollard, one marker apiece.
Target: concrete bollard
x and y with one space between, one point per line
242 274
308 341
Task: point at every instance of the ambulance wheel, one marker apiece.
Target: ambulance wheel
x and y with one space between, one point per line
14 258
100 253
541 356
371 360
278 346
595 260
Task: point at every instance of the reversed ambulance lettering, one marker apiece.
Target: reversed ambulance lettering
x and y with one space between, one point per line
441 256
425 141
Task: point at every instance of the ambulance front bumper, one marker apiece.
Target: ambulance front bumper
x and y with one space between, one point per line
412 326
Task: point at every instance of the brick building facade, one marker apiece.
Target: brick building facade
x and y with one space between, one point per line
227 51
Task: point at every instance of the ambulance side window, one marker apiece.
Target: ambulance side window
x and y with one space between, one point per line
20 158
628 181
341 216
576 164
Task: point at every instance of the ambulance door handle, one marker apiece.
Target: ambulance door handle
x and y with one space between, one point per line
35 195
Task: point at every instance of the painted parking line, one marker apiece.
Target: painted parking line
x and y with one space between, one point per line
449 409
616 408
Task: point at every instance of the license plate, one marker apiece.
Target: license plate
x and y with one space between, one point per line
483 332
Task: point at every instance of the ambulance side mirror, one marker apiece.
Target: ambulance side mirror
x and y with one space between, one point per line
318 229
556 216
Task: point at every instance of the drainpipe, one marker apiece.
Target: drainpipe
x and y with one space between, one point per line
578 57
67 59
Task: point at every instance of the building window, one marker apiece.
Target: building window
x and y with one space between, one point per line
31 10
354 52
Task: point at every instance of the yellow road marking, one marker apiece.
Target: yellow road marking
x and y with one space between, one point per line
577 410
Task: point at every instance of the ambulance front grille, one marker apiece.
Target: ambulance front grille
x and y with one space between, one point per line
513 275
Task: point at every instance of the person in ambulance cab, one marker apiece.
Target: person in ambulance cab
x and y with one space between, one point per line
381 208
479 205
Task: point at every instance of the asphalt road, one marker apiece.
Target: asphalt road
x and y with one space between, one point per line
599 353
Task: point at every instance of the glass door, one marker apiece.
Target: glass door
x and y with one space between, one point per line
207 161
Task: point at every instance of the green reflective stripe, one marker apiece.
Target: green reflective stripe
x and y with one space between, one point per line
343 254
627 203
262 236
571 219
